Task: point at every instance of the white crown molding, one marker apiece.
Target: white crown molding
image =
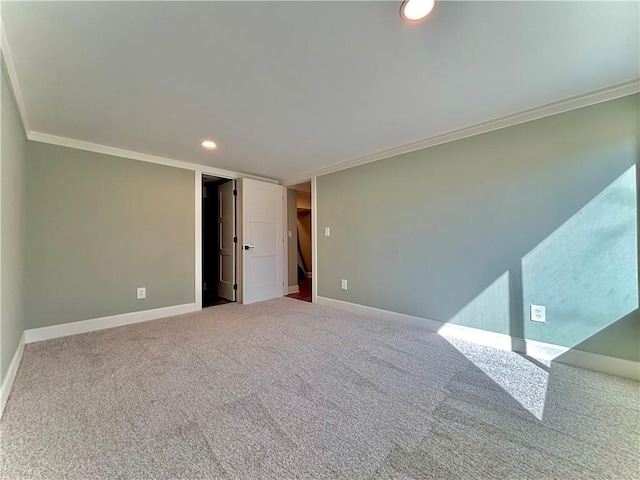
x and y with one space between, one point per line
94 147
7 383
540 350
85 326
143 157
572 103
5 50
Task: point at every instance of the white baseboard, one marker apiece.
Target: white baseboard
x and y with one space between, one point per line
376 313
540 350
7 383
85 326
476 335
597 362
293 289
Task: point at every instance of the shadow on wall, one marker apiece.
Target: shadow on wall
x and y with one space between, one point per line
587 269
607 341
585 273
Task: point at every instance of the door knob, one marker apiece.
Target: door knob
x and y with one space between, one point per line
247 246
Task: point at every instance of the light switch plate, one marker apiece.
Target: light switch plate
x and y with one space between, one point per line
343 284
327 231
290 234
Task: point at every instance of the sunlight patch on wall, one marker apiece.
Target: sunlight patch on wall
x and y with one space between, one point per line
586 272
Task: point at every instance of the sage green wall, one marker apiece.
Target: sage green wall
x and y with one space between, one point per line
473 231
13 167
98 227
293 239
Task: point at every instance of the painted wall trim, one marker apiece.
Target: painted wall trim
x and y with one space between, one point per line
7 383
293 289
314 240
95 147
143 157
198 239
540 350
13 76
561 106
285 242
92 325
591 361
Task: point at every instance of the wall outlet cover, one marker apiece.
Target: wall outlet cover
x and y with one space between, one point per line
343 284
327 231
537 313
141 292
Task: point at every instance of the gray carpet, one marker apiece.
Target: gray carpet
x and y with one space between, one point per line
287 389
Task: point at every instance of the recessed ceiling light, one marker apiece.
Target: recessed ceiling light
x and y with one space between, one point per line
209 144
416 10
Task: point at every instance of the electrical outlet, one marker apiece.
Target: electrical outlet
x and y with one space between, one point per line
537 313
141 293
343 284
290 234
327 231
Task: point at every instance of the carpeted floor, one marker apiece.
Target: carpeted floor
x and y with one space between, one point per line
286 389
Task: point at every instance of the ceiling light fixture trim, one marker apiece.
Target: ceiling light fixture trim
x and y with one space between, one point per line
416 11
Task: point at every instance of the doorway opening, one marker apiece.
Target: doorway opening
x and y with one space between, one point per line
219 240
299 222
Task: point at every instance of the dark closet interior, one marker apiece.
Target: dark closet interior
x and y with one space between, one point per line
210 241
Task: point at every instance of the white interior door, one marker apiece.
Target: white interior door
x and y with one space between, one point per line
227 232
262 246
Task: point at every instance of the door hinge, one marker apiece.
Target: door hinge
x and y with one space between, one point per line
235 286
235 239
235 192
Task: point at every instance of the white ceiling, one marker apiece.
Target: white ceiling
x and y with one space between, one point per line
290 87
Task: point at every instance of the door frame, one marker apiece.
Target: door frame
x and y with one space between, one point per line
285 245
198 232
314 236
314 240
